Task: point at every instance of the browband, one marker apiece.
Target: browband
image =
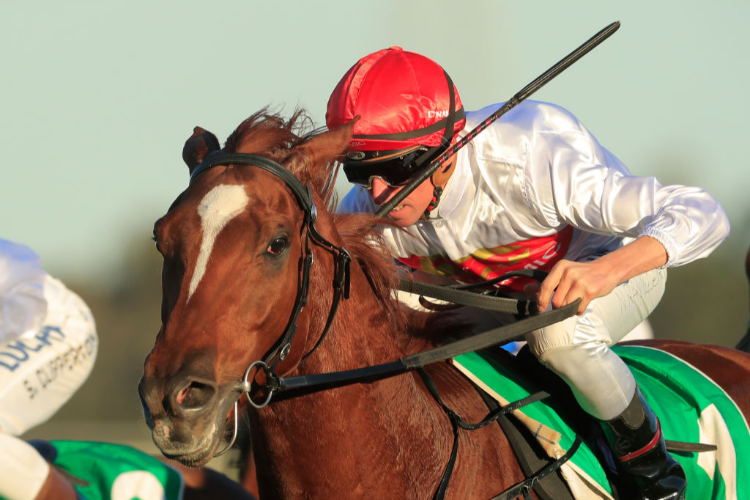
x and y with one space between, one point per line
221 157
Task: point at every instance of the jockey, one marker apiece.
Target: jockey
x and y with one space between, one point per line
535 190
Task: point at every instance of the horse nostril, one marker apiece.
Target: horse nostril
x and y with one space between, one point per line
195 395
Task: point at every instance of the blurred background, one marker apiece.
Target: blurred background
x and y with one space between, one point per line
99 97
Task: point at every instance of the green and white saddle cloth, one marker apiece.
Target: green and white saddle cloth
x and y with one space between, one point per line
117 472
691 407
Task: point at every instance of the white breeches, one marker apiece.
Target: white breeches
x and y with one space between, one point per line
577 349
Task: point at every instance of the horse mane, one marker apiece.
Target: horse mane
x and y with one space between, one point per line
270 135
414 330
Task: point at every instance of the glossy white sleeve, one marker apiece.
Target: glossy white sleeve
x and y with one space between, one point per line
573 180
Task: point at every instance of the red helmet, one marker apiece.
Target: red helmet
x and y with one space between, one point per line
403 99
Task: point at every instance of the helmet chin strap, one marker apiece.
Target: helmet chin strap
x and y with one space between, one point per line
436 192
439 179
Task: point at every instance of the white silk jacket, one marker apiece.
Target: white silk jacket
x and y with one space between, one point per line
536 187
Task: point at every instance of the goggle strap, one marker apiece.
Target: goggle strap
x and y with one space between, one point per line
449 121
445 141
414 134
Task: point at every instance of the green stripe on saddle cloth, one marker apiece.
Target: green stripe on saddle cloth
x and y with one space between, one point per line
690 406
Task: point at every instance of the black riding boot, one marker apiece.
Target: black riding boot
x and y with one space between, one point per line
637 442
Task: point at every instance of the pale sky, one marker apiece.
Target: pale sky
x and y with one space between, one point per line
99 97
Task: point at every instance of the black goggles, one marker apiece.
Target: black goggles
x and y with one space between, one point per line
394 169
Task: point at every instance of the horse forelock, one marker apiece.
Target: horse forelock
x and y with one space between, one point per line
282 140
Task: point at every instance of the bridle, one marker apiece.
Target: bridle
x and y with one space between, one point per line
341 281
281 348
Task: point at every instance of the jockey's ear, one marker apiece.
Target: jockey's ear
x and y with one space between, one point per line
198 146
326 146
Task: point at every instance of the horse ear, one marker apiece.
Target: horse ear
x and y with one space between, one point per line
331 144
198 146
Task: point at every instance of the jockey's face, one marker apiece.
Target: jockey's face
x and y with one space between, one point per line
408 211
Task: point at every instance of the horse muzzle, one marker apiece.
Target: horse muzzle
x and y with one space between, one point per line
186 415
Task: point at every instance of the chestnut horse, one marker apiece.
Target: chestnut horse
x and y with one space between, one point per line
234 246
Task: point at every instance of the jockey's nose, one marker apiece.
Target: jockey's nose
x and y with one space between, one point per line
382 192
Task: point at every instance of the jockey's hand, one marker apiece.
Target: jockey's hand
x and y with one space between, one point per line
587 281
570 281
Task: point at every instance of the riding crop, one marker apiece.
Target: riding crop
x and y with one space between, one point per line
529 89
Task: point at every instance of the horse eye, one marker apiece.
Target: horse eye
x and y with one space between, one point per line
277 246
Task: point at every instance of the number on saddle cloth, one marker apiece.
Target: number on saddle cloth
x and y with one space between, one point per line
112 471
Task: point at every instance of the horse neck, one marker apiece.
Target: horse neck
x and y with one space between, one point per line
348 432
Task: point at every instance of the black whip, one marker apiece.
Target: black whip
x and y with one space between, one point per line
529 89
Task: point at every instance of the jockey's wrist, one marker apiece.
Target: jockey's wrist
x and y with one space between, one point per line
633 259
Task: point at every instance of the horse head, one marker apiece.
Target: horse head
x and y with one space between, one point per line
235 245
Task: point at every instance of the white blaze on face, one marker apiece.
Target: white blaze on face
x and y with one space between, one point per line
220 205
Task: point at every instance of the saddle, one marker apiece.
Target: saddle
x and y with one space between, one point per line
526 445
538 440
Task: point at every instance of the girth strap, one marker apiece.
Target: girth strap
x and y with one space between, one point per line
457 422
523 488
530 455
